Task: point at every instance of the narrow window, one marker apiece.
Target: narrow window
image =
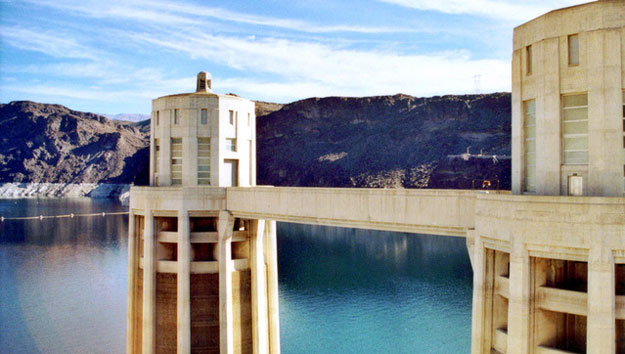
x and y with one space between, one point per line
157 159
176 118
528 59
204 116
529 134
249 119
574 49
575 129
176 161
231 117
231 144
158 117
203 160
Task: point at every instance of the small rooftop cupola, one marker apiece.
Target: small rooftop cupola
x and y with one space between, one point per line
204 82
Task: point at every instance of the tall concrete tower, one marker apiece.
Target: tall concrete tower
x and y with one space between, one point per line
549 261
199 279
568 128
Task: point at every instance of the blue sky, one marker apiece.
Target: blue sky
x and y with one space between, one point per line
114 56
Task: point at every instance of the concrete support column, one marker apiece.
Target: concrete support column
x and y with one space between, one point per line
519 304
271 254
260 332
601 295
478 317
149 284
225 227
184 284
130 300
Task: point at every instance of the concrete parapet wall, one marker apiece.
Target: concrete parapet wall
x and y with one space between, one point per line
561 227
436 212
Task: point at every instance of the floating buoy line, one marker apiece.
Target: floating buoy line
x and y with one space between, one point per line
71 216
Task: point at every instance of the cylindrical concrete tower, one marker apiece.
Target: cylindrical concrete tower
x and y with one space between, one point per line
549 261
200 279
568 127
203 138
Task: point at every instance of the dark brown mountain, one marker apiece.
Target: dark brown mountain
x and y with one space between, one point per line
385 141
51 143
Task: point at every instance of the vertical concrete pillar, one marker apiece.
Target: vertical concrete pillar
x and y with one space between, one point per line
226 332
272 286
601 329
130 300
519 303
184 284
149 283
479 291
260 331
518 154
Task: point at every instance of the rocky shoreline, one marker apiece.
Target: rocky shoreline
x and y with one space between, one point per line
65 190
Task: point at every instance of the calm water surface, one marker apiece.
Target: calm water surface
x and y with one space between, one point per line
63 286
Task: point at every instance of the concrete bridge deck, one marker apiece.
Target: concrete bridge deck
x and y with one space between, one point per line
426 211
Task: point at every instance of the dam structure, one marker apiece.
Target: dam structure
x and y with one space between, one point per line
548 258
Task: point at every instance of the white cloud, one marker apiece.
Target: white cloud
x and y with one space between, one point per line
302 69
54 44
496 9
170 12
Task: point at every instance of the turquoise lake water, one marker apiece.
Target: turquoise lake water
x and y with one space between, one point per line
63 286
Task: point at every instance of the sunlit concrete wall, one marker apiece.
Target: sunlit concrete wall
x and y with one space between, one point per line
219 128
549 274
435 212
599 73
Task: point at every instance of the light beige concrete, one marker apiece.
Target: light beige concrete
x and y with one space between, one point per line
149 286
600 27
226 337
271 247
183 294
130 299
259 288
218 128
435 212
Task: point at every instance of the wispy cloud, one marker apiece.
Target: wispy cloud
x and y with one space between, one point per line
496 9
54 44
306 68
169 12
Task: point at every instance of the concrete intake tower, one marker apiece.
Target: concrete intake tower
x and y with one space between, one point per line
548 258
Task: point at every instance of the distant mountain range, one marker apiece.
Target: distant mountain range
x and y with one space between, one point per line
385 141
131 117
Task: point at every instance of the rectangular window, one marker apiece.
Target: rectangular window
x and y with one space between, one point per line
157 155
204 116
203 161
575 129
158 117
231 117
529 135
249 119
528 59
176 118
573 49
231 144
176 161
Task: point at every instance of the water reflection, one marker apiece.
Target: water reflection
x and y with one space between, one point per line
63 286
356 291
63 280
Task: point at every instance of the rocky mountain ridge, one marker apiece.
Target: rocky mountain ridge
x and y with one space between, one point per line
51 143
382 141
